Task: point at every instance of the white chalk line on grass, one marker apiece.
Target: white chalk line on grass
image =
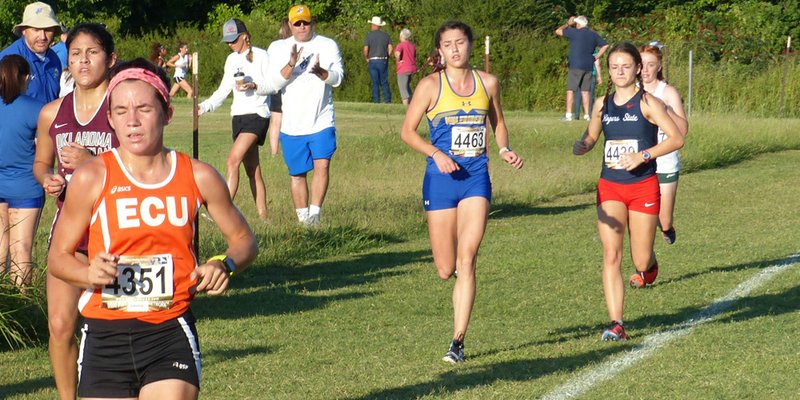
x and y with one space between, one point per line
656 341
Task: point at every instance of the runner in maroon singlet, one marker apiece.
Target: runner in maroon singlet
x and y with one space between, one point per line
74 128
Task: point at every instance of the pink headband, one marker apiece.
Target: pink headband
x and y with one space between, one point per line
140 74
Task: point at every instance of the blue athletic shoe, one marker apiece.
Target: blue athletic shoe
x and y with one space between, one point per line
455 354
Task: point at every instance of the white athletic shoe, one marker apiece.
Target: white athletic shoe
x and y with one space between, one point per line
586 117
312 221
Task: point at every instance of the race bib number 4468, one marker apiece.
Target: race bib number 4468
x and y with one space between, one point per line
615 149
144 283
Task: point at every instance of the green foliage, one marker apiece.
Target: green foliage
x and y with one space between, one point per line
221 13
22 315
726 37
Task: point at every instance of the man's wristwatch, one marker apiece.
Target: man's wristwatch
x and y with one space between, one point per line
646 156
504 150
227 262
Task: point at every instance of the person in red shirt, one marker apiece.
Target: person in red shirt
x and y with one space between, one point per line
405 55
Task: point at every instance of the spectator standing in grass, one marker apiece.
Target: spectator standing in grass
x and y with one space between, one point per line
668 165
377 48
37 30
405 55
308 67
245 74
582 44
459 103
21 197
597 80
73 129
139 338
627 192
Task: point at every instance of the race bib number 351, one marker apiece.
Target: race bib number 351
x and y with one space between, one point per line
468 141
144 283
616 148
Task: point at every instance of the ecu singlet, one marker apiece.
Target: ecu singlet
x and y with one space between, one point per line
151 227
626 130
458 124
96 135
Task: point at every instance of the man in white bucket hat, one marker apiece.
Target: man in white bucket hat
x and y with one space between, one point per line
37 29
377 47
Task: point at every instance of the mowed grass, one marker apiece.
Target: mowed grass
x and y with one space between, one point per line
355 310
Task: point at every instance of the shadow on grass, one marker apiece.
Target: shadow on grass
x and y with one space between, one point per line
739 309
727 268
26 387
281 290
468 376
213 356
510 210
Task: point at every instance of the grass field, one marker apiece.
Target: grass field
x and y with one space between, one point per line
355 310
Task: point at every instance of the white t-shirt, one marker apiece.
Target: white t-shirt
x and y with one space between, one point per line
250 101
307 101
670 162
181 65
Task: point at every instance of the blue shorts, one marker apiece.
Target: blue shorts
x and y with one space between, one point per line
36 202
443 191
299 152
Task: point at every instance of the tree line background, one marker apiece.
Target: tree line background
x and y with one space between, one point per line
738 45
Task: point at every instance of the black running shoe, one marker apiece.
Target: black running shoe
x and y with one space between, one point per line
669 235
455 354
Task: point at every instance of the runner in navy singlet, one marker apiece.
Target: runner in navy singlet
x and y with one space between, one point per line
74 129
627 192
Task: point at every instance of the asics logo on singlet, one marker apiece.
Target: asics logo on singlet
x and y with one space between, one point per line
120 189
179 365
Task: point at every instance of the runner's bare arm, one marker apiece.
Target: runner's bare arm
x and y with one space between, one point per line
242 245
73 222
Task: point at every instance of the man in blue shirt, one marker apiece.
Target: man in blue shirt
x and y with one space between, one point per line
39 26
582 45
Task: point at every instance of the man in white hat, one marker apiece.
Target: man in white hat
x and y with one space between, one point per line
377 47
37 29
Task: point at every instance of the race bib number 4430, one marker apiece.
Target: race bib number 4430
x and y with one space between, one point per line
616 148
144 283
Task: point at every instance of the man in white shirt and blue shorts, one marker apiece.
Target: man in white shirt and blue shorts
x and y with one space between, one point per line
308 67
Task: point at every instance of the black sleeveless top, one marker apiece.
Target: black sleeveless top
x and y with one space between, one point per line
626 130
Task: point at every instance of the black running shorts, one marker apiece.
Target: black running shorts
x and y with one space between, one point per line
250 123
118 358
